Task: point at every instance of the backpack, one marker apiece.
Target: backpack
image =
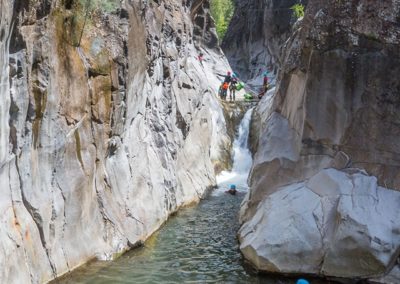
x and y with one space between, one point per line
239 86
225 86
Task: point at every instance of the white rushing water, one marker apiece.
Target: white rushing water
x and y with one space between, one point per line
242 159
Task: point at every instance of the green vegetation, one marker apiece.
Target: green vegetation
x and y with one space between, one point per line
372 36
298 10
108 6
81 15
92 6
222 12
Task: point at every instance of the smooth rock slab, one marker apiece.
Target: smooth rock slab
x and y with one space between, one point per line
339 223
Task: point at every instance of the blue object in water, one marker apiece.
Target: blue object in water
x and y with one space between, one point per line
302 281
232 186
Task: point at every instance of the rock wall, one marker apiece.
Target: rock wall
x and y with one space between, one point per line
108 123
255 37
335 107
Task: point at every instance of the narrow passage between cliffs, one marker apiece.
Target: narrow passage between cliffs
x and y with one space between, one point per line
198 245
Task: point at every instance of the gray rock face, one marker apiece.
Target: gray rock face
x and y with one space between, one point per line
255 37
338 97
338 223
108 123
335 106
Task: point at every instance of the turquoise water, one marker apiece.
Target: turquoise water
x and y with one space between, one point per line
198 245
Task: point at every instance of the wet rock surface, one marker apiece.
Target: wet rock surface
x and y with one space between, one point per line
108 124
335 107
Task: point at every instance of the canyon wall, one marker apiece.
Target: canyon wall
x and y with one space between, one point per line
108 124
325 180
255 37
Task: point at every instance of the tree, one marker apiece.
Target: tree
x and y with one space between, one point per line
222 12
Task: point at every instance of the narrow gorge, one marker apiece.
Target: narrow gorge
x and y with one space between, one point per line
116 150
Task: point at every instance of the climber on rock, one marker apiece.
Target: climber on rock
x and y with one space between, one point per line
200 58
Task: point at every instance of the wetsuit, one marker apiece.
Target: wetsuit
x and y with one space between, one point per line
265 84
232 89
228 79
224 87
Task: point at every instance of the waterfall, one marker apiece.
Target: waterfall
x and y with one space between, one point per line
242 159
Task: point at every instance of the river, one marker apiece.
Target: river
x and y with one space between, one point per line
197 245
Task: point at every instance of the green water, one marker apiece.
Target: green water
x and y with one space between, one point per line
198 245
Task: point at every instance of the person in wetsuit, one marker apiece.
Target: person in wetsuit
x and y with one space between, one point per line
232 88
228 78
232 190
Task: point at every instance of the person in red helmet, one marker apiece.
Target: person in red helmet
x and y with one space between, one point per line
265 86
200 58
228 78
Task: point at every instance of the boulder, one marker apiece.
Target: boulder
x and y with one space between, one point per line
337 223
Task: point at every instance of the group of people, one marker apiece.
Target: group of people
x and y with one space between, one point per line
230 82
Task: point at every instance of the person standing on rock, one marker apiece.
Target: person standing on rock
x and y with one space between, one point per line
228 78
265 82
200 58
232 88
224 87
265 87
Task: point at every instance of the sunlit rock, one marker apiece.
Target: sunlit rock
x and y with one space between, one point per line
108 124
335 106
337 223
